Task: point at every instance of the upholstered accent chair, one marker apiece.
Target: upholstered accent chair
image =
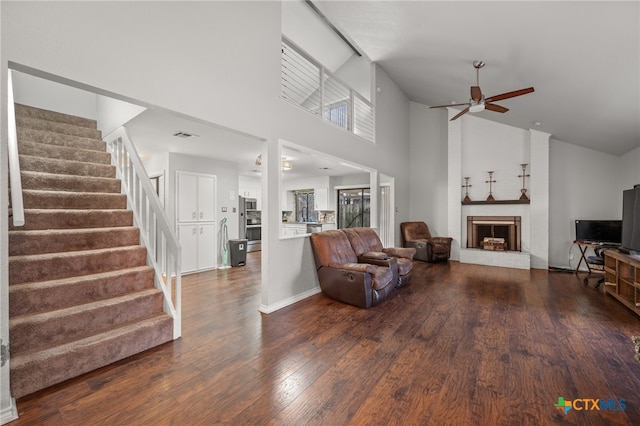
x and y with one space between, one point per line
429 249
342 278
368 247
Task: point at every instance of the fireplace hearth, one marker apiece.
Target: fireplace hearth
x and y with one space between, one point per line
498 233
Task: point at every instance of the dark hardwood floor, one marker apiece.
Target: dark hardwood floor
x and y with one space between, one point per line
462 345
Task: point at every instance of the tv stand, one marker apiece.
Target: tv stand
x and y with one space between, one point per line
584 246
622 278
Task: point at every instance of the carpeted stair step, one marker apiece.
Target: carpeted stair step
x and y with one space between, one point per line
39 199
58 240
50 181
43 136
33 112
66 167
35 371
65 219
38 331
51 266
52 295
57 127
81 295
46 150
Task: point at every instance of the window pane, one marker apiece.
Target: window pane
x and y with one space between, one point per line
354 208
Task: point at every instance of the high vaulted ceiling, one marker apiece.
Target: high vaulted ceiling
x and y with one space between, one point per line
582 57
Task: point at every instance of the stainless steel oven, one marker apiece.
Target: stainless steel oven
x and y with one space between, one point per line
254 237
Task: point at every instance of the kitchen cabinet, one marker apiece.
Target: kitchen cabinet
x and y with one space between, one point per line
196 220
288 201
196 197
292 229
321 198
198 246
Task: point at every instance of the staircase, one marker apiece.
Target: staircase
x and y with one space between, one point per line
81 295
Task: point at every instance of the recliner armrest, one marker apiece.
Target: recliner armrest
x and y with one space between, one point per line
440 240
377 255
404 252
354 267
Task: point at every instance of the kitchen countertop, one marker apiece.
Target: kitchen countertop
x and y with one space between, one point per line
309 223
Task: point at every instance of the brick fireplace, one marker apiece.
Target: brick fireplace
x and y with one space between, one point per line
500 233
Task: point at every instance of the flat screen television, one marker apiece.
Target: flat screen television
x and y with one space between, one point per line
599 231
631 219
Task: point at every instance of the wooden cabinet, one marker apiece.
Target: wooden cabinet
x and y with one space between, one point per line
622 278
196 220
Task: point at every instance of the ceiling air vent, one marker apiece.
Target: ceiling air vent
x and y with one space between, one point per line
184 135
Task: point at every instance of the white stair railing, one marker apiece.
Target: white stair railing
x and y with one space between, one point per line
17 207
163 249
307 83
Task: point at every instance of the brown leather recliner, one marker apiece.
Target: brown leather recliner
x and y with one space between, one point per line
340 275
368 247
429 249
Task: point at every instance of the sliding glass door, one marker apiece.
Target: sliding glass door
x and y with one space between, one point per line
354 208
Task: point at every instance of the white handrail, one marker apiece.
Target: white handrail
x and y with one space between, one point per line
163 249
17 206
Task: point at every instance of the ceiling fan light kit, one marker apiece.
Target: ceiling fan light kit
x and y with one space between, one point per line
478 103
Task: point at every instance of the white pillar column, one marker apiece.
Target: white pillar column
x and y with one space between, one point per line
539 194
454 175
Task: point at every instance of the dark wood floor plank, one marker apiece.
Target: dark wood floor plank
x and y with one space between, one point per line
463 344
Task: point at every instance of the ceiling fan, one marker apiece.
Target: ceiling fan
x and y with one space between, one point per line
478 102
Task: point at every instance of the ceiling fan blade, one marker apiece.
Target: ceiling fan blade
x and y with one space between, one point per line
509 94
494 107
450 105
476 93
461 113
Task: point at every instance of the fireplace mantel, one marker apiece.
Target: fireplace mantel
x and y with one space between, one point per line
473 203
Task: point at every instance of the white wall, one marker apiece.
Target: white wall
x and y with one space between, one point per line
356 72
392 142
630 169
113 113
584 184
34 91
428 167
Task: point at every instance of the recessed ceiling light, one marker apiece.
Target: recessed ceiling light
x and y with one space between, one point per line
537 123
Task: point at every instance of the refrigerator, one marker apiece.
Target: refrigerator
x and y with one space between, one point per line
250 221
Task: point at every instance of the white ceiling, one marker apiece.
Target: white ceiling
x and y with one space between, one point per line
582 58
153 131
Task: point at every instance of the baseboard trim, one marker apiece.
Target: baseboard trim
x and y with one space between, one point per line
9 413
267 309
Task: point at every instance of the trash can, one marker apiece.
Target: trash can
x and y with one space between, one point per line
238 251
